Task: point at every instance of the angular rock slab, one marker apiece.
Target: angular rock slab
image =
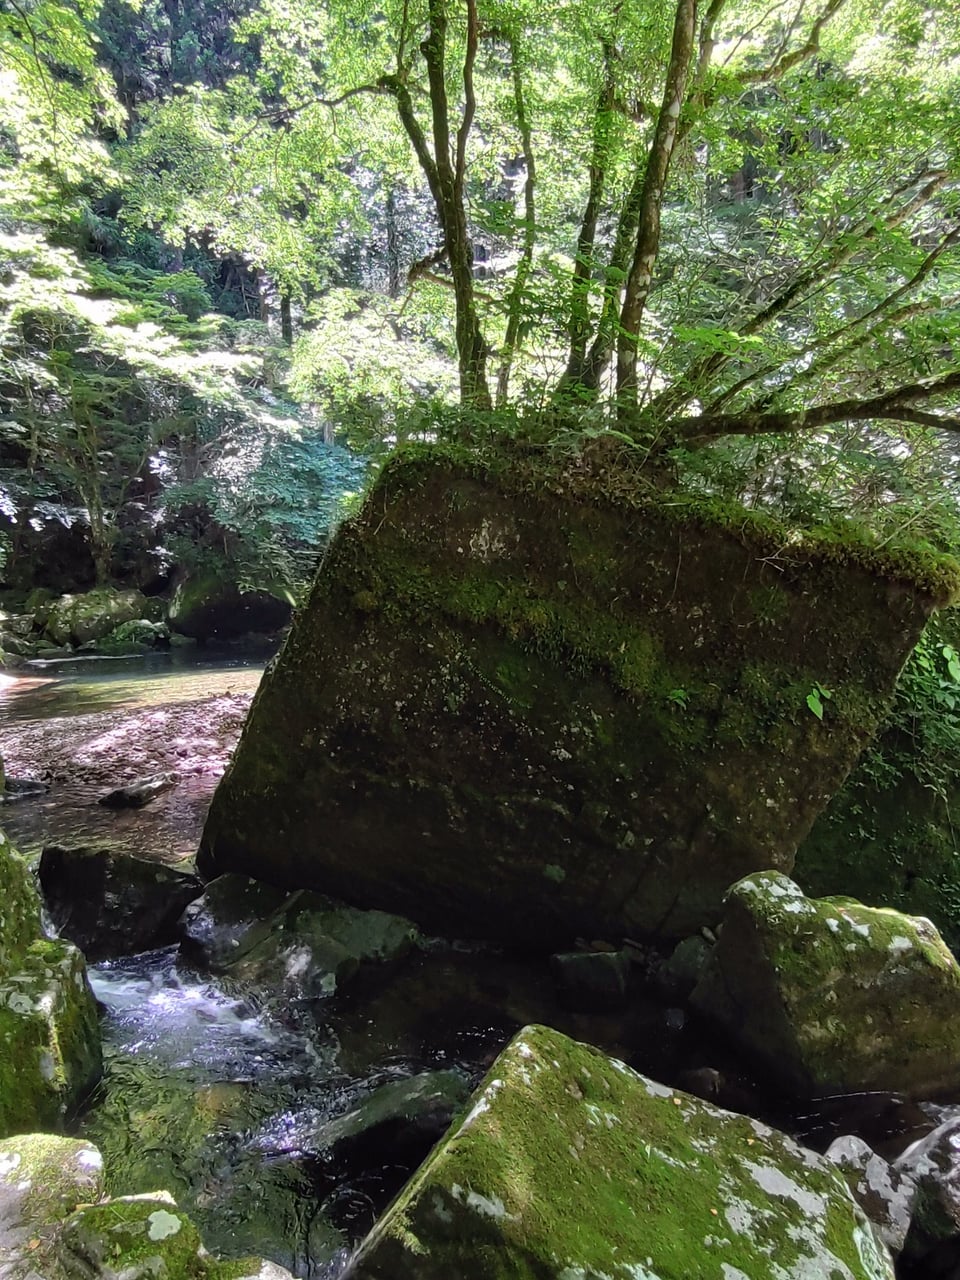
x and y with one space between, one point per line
832 996
569 1164
50 1052
533 705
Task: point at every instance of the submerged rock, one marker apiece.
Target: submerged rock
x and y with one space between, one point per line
569 1164
298 946
532 707
832 996
592 980
50 1053
138 794
396 1121
112 904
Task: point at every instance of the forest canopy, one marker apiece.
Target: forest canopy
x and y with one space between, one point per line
722 234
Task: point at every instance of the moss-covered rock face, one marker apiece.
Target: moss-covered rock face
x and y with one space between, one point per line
833 996
55 1224
570 1166
532 706
77 619
50 1055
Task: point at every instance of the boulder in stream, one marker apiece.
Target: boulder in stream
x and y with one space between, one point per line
290 946
110 903
50 1053
569 1164
887 1195
532 701
832 996
397 1121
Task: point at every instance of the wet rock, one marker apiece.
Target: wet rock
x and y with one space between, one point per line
112 904
15 789
400 1120
144 1237
138 794
231 916
933 1164
304 947
78 619
832 996
885 1194
508 712
591 980
570 1164
50 1054
683 968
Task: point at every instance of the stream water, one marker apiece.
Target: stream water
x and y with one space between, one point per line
208 1096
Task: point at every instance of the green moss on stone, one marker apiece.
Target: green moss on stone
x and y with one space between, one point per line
570 1164
833 995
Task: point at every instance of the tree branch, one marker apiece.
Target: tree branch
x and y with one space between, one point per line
898 405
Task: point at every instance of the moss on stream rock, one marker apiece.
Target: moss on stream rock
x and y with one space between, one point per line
570 1166
50 1054
832 996
536 703
56 1225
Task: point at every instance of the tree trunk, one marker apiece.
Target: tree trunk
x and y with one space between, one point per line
655 178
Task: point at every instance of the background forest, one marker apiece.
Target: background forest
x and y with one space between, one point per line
248 249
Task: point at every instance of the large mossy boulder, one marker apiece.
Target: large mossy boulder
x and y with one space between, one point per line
50 1053
536 705
569 1164
79 619
832 996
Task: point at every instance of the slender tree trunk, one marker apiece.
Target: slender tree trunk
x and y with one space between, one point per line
393 246
445 171
515 297
655 178
286 319
579 323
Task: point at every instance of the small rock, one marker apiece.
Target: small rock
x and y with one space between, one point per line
398 1121
682 971
933 1166
135 795
885 1194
